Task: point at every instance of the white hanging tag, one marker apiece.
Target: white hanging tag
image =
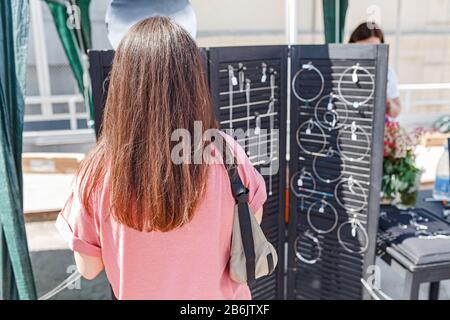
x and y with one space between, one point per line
330 102
353 130
258 125
333 123
300 182
234 81
355 77
321 209
353 231
308 131
264 71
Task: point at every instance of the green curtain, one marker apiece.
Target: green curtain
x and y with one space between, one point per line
330 8
76 42
16 275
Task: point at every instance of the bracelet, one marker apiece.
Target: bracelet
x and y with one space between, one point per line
355 224
309 67
321 210
333 123
351 183
310 126
308 235
355 79
353 128
329 153
300 183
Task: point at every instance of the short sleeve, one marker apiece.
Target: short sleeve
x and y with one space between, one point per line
392 85
78 228
251 178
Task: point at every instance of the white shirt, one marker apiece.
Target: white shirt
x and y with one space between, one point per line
392 84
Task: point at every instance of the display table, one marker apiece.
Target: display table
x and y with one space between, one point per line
416 243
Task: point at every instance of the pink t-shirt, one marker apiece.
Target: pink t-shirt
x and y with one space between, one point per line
187 263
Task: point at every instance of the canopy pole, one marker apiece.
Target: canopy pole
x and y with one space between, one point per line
291 26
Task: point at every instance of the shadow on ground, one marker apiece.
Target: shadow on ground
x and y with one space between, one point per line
51 267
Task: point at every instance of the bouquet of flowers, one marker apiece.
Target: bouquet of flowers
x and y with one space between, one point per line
401 176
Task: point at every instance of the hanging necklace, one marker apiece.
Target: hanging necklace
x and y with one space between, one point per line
307 67
308 127
331 119
330 153
354 128
316 242
270 111
356 81
352 185
355 224
323 204
232 81
247 102
300 182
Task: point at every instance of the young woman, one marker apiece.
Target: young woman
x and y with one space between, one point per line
159 228
370 33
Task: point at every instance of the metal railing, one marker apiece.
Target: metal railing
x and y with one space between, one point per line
411 113
414 108
47 109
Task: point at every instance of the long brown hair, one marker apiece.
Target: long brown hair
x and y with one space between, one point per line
363 32
157 84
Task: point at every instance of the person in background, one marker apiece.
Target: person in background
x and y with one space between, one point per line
371 33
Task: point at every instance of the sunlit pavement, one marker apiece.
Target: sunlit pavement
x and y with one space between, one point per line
51 259
53 262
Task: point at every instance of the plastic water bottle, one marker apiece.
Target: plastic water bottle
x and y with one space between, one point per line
442 184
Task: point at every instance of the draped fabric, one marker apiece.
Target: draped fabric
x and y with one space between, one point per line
334 12
16 276
71 18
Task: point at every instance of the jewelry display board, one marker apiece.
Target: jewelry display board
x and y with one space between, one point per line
258 102
248 86
338 95
336 151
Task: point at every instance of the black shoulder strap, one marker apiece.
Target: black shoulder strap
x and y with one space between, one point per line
240 194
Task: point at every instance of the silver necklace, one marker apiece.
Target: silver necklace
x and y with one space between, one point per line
351 184
331 120
314 239
323 204
354 128
299 182
355 224
309 126
329 154
355 79
232 81
307 67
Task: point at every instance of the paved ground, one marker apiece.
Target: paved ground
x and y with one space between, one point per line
53 262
